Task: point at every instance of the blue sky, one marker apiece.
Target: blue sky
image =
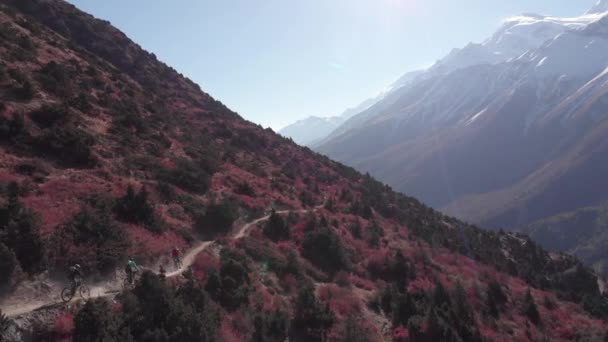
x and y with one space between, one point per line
276 61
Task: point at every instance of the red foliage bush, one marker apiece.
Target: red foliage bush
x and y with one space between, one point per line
205 264
289 282
401 334
64 324
341 301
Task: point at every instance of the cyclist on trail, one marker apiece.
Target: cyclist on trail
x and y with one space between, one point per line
131 269
176 254
75 276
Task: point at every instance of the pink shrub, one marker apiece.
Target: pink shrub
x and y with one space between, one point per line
64 324
401 334
203 265
228 333
341 301
289 282
362 283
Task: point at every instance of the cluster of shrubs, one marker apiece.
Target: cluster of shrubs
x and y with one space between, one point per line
92 238
153 311
59 138
194 310
448 316
276 229
20 47
324 248
22 88
189 175
312 319
231 285
218 218
21 244
56 79
136 208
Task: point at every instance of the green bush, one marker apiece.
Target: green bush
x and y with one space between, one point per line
69 144
496 298
276 229
312 320
96 322
81 102
56 79
217 219
13 128
324 248
8 265
20 232
92 238
188 176
269 327
230 286
530 310
50 115
23 91
136 208
245 189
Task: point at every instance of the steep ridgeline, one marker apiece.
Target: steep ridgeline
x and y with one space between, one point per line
501 133
106 152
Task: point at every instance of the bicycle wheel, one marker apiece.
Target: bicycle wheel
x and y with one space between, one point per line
85 292
67 295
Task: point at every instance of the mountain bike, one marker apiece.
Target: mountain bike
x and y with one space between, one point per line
81 289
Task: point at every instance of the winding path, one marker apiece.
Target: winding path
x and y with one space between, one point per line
100 291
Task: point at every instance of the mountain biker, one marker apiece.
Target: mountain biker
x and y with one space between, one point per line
75 276
131 269
176 254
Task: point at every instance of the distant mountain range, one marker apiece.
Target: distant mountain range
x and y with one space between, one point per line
313 129
501 133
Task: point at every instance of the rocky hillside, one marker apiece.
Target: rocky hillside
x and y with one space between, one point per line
106 152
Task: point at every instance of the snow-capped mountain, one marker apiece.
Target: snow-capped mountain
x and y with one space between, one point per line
514 127
600 7
516 36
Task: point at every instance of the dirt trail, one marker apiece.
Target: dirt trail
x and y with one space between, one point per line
109 288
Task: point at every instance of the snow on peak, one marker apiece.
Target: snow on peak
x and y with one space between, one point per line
515 37
600 7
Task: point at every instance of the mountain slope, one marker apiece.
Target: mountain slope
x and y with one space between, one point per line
106 152
583 233
443 138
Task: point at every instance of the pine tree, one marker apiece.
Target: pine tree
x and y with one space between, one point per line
8 265
529 308
276 229
23 237
496 298
5 323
